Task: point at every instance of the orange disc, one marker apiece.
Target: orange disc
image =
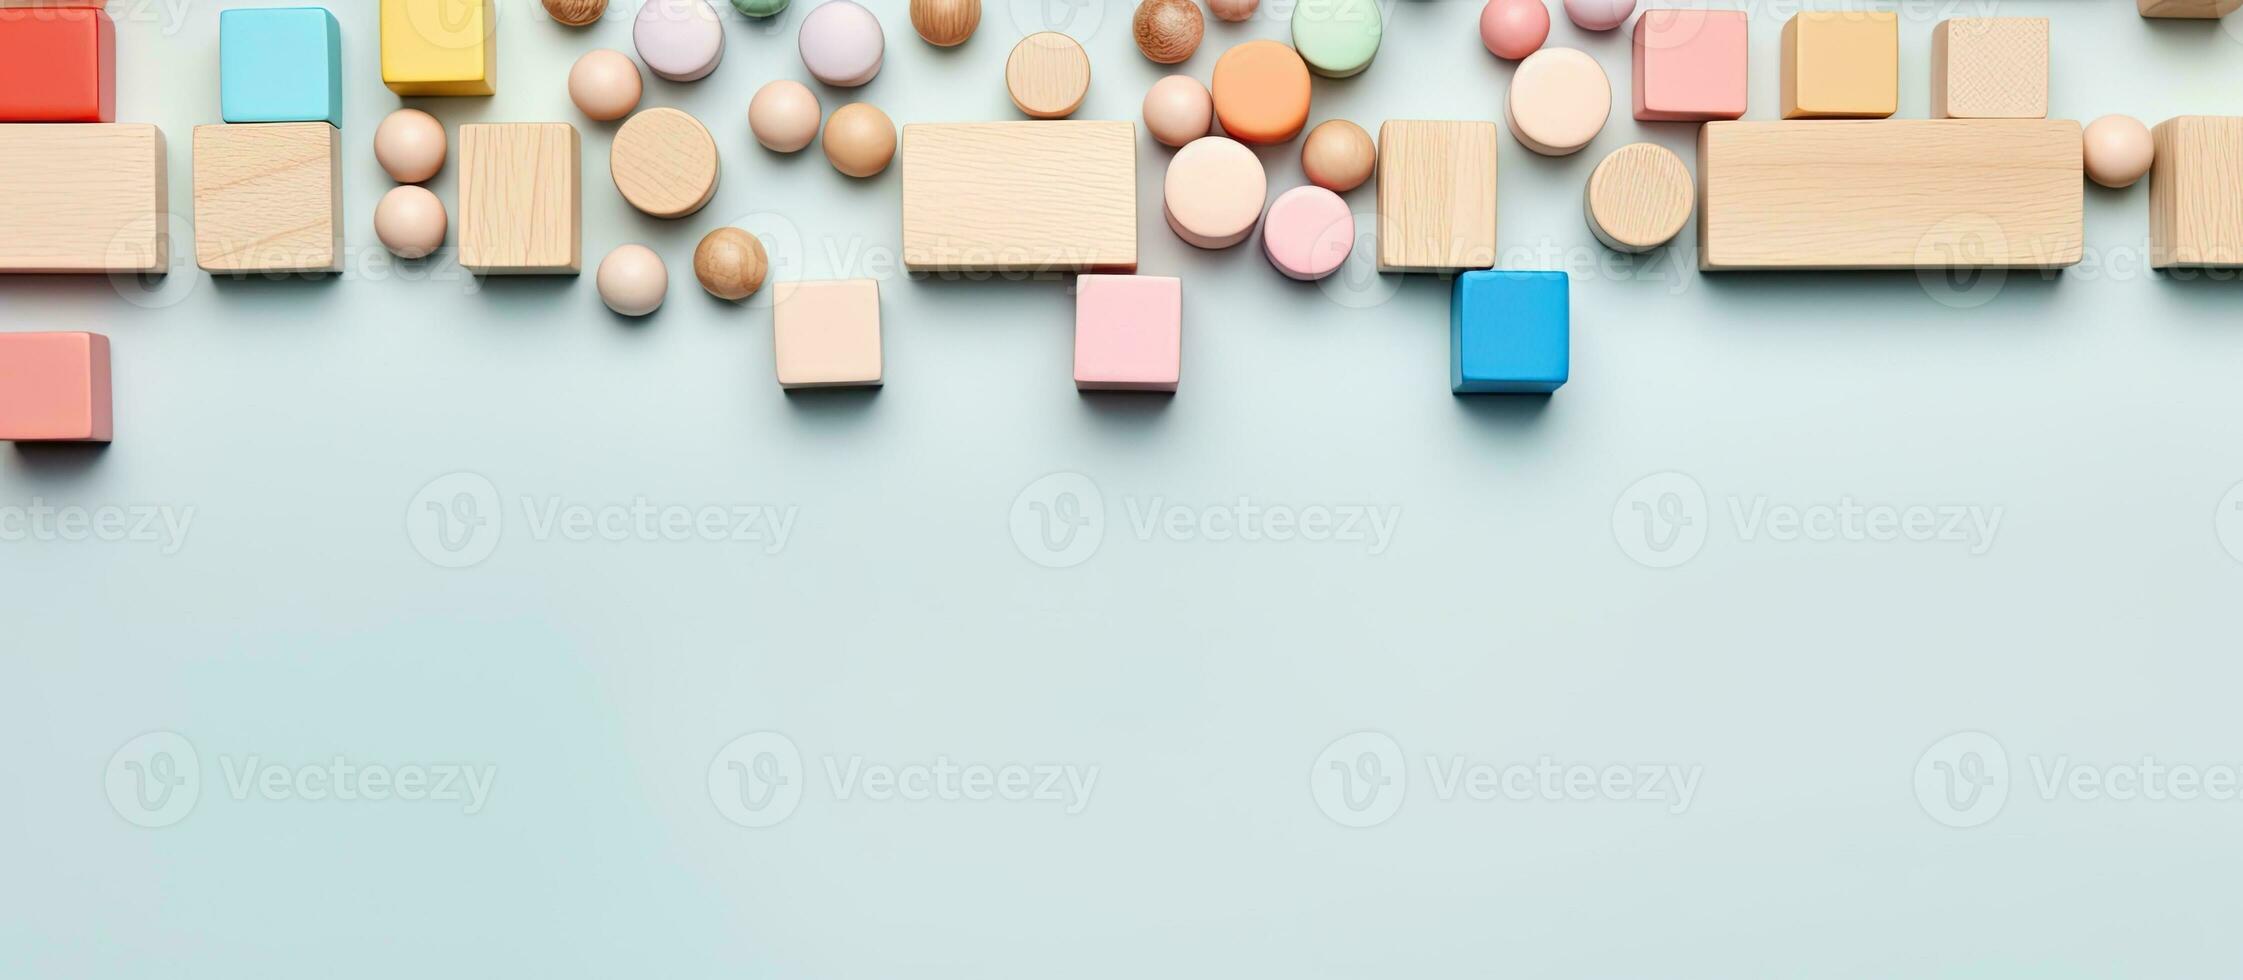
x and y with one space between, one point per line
1261 92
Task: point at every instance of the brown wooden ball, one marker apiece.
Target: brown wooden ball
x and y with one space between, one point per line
1338 156
730 264
945 23
1168 31
576 13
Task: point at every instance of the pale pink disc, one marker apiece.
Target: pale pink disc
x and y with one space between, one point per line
1214 191
680 40
1308 232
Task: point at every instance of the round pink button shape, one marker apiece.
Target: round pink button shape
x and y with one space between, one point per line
1513 29
1308 232
1559 100
1599 15
680 40
841 44
1214 191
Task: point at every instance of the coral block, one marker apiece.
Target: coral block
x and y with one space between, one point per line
54 387
57 65
1510 332
1691 65
280 65
1129 332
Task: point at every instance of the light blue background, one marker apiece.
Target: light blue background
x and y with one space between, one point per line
1506 619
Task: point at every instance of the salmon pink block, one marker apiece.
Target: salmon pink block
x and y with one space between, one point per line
1690 65
57 65
1129 332
54 387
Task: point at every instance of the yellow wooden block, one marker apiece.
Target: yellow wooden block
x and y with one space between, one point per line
439 47
2196 198
269 197
2194 9
1841 65
1990 68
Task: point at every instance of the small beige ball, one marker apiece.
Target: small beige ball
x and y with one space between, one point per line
410 221
632 280
860 140
2119 150
605 84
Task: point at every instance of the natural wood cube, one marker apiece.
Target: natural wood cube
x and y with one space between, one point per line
1990 68
2194 9
1841 65
83 197
2196 197
1436 192
269 197
521 203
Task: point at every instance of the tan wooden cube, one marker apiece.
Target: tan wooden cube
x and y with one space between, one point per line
521 199
2196 198
1436 193
269 197
1990 68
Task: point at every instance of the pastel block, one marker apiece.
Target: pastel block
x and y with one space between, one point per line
521 199
1990 68
2191 9
439 47
1510 332
1308 233
1691 65
83 197
54 387
269 197
1129 333
827 334
1436 196
1043 196
57 65
280 64
2196 193
1841 65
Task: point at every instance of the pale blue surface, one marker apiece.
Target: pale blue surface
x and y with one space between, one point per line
1509 332
280 65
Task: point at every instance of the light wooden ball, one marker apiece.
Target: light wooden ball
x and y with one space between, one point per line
784 115
410 145
410 221
605 85
945 23
576 13
730 264
2118 150
1338 155
1233 10
1168 31
632 280
860 140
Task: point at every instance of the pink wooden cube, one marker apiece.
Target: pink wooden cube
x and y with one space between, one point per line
827 334
54 387
1129 332
1690 65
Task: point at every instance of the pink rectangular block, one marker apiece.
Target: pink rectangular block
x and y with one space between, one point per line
1129 332
54 387
827 334
1691 65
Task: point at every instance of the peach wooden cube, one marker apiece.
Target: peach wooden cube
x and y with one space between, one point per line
1129 332
827 334
1691 65
1990 68
1841 65
54 387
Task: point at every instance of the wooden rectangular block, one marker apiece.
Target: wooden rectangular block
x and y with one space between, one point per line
269 197
1043 196
80 197
827 334
2193 9
1840 65
521 204
57 65
2196 192
439 47
54 387
1436 192
1902 194
1990 68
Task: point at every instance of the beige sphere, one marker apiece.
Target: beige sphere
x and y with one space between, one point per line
1178 110
605 84
860 140
2118 150
730 264
1338 155
632 280
784 115
410 221
410 146
945 23
1232 10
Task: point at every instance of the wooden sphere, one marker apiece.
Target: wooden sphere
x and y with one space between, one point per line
1178 111
1168 31
1233 10
860 140
605 85
1338 155
632 280
576 13
784 115
945 23
665 163
730 264
410 145
1639 197
2118 150
410 221
1048 74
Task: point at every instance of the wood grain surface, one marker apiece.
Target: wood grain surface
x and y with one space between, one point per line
269 197
83 197
664 163
2196 192
1020 196
1436 192
521 199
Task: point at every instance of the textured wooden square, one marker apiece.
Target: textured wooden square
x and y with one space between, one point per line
269 197
521 209
1990 68
2196 192
1436 191
83 197
1045 196
2195 9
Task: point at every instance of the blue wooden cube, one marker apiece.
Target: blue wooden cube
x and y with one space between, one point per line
1509 332
280 65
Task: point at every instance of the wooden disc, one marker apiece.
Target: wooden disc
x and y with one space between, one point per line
665 163
1048 75
1639 197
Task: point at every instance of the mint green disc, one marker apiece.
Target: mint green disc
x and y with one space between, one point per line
760 8
1337 37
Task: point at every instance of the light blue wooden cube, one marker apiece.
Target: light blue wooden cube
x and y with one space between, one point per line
1510 332
280 65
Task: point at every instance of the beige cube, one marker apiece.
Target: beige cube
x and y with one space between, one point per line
269 198
827 334
521 199
1990 68
1436 193
2196 202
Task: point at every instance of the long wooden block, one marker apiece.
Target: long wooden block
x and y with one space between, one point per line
1897 194
269 197
83 197
2196 192
1045 196
521 199
2193 9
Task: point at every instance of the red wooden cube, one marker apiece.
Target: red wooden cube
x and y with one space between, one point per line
57 64
54 387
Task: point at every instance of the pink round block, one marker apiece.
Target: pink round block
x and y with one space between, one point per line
1308 232
1599 15
841 44
1513 29
1214 191
1558 102
680 40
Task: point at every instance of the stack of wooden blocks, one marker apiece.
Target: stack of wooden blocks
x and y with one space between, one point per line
269 179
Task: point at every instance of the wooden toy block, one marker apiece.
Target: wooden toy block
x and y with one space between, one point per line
54 387
1049 196
439 47
2191 9
57 65
80 197
280 64
1639 198
1990 68
1509 332
1436 193
1691 65
1841 65
2196 193
521 205
1908 193
827 334
269 197
1129 333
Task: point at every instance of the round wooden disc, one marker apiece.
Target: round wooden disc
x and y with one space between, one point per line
1639 197
1048 75
665 163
